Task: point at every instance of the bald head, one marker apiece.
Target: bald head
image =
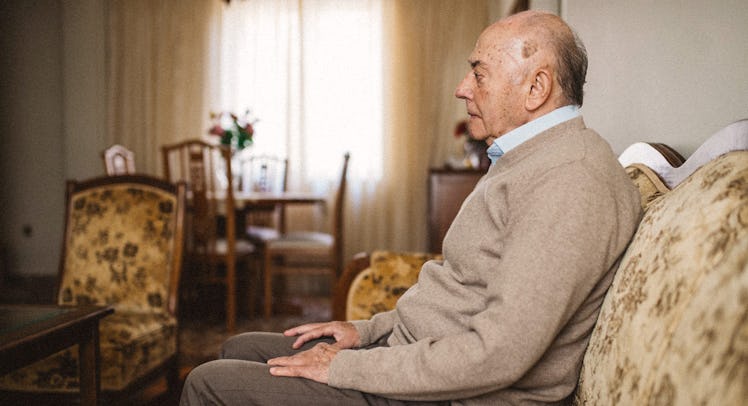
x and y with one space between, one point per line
522 67
538 38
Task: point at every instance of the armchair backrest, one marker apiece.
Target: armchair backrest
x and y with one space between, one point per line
123 243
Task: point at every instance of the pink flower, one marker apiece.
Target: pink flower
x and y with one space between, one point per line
216 130
233 130
462 129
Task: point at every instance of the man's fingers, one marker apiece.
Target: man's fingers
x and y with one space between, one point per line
308 336
300 329
284 361
284 371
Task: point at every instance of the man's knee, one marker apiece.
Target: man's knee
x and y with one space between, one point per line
199 383
253 346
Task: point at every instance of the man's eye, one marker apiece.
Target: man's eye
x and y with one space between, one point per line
478 76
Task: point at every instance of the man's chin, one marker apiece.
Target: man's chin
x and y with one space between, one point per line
477 132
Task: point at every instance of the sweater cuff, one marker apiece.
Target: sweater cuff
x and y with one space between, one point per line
339 372
364 331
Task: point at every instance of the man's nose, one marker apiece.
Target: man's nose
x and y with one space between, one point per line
463 89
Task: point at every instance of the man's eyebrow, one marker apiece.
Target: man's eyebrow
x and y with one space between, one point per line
475 63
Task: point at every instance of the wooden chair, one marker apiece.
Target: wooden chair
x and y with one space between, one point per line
204 167
122 247
118 160
306 251
263 173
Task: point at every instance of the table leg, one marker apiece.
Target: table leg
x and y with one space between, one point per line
88 354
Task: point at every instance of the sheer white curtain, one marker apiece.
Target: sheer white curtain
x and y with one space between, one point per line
311 72
373 77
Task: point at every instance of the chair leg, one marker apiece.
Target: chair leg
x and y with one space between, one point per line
173 381
231 296
268 275
252 283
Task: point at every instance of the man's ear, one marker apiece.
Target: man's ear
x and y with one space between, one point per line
540 89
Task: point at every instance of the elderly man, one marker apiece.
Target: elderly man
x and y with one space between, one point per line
506 316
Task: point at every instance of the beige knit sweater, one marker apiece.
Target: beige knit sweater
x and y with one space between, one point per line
506 317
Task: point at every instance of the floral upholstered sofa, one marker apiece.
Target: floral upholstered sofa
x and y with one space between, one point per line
673 328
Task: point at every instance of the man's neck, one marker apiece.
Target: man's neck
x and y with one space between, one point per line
517 136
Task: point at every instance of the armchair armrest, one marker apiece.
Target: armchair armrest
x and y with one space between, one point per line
359 263
373 283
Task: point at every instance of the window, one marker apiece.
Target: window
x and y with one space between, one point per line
311 72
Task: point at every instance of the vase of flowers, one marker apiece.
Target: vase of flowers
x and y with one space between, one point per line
236 132
474 150
233 130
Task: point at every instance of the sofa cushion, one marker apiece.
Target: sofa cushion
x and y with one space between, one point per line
649 184
131 345
377 288
673 328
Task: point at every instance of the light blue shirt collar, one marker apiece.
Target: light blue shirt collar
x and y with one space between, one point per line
513 138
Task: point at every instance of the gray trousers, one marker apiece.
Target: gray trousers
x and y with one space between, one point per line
241 377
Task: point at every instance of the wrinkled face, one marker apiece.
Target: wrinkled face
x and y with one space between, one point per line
492 89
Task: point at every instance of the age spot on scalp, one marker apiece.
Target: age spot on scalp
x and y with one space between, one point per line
528 49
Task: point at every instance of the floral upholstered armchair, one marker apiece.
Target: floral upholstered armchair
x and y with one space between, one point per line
122 247
372 283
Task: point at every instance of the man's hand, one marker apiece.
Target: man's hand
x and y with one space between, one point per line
344 333
312 364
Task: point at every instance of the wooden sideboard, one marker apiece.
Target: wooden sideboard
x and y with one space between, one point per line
448 188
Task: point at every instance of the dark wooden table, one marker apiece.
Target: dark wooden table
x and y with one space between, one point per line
31 332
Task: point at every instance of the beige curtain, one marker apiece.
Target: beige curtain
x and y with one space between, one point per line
157 73
159 64
428 43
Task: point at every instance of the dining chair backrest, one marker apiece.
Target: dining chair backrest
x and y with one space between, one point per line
206 168
118 160
337 222
262 172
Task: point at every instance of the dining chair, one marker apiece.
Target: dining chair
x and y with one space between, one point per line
263 173
118 160
122 247
299 252
214 250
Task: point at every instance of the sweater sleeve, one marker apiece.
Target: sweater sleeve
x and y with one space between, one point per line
551 258
376 328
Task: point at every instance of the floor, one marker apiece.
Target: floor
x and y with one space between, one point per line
201 332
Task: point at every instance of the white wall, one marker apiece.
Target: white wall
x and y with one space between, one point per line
663 71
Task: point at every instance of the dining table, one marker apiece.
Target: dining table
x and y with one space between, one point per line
248 200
